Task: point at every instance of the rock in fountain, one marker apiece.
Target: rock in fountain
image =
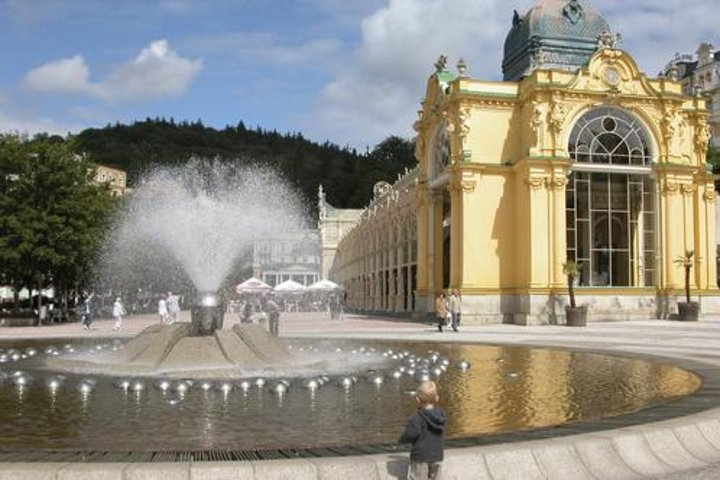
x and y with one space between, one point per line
175 351
200 348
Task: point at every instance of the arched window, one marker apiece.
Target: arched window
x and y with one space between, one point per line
611 223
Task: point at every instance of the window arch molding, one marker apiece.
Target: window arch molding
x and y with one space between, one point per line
609 136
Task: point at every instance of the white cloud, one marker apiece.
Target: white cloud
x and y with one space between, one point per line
67 75
156 72
378 88
30 124
380 94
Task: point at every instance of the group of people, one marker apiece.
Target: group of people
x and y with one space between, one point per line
87 311
448 310
266 305
169 308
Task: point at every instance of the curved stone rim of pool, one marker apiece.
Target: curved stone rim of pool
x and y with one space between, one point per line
662 439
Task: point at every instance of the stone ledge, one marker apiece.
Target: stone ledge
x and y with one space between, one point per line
648 450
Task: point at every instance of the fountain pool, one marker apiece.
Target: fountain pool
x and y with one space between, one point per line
362 395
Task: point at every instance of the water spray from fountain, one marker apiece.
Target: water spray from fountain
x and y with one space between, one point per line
204 216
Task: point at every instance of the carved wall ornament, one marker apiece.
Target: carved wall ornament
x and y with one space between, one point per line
612 76
573 11
557 183
688 189
536 122
468 186
671 188
674 125
612 97
608 40
536 183
709 195
702 135
463 117
673 122
557 115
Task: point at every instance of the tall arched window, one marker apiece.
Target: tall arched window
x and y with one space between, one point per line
611 225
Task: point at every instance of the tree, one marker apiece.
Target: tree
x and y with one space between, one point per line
713 157
52 216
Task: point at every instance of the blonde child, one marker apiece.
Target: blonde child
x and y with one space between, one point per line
425 430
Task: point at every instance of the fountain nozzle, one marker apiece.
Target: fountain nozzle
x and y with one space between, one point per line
207 314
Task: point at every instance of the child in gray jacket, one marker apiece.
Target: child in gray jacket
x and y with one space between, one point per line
425 431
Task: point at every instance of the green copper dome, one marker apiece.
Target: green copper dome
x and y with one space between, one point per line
554 34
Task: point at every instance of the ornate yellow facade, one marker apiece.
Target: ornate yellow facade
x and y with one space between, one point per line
602 165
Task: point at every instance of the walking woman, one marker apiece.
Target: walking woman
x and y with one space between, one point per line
441 310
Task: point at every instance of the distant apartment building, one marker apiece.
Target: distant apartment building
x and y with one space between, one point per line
288 256
700 75
333 224
115 178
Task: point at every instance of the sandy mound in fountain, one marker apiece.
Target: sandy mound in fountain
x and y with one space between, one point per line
169 350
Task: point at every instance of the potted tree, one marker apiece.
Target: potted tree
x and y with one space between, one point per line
575 316
688 311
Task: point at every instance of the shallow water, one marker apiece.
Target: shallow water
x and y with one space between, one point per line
505 389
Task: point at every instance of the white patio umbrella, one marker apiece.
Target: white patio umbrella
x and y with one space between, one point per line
253 285
324 285
289 286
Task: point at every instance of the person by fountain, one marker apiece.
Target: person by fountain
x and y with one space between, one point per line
425 431
173 307
455 309
88 311
246 312
273 311
162 309
441 310
118 313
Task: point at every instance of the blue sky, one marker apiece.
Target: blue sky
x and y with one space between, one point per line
351 72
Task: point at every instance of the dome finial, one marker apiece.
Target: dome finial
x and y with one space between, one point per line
441 63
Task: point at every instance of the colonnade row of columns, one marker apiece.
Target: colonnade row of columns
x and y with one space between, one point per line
411 243
528 254
376 260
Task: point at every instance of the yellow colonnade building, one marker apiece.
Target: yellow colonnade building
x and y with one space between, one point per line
576 155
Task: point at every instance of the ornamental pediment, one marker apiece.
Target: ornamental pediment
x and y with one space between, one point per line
613 71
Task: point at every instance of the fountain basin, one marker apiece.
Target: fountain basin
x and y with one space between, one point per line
504 389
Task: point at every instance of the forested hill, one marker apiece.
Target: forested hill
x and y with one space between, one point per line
346 176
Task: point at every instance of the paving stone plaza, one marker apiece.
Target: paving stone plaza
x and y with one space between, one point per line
680 440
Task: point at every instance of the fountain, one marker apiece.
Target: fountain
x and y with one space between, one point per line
204 215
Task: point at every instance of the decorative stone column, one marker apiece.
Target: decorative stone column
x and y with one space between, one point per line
421 235
436 254
456 230
557 185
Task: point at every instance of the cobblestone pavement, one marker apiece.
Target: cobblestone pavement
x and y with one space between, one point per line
697 341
